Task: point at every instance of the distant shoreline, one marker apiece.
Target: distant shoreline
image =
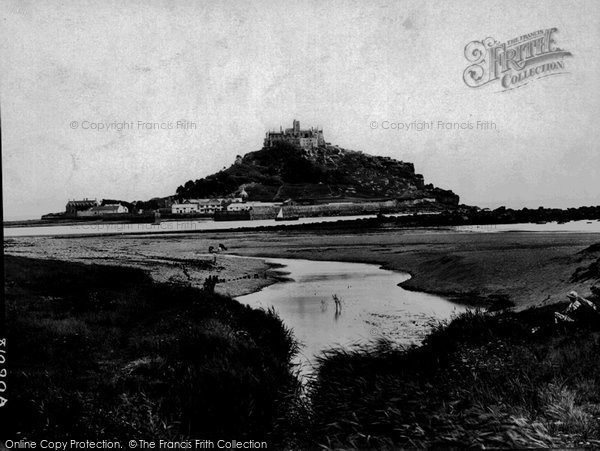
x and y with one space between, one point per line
70 221
464 216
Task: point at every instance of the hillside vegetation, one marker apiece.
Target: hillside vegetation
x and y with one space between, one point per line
286 171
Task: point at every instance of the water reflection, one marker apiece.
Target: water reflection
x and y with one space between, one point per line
337 303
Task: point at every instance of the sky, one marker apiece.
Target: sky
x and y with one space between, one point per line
231 70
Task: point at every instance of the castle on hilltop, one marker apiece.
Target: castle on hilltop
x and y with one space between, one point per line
306 139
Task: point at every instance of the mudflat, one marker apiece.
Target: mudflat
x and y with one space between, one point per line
526 268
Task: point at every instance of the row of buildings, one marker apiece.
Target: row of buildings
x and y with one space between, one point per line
234 207
92 207
87 208
211 206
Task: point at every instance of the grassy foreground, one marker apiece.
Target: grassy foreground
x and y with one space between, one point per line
483 380
104 352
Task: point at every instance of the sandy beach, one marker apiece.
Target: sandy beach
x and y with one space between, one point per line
171 260
478 268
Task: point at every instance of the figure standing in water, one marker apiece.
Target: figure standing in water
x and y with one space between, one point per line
338 304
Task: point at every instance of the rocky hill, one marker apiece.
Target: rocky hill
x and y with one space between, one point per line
325 173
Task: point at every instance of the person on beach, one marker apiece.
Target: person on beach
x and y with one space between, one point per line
579 309
210 282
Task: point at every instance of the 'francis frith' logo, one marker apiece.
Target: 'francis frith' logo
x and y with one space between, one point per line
516 62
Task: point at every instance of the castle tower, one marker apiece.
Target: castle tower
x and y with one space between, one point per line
296 126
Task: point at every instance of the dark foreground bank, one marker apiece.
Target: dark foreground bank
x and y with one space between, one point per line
503 380
101 352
